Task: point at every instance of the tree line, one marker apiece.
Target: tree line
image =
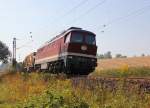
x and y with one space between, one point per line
108 55
5 54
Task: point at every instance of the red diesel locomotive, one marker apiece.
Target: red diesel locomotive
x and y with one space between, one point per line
72 52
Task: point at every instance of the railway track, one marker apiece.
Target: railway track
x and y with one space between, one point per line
112 83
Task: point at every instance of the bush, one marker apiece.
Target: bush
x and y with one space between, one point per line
51 99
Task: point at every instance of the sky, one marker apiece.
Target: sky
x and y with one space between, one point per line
121 26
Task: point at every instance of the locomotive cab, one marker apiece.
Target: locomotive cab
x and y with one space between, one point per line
80 49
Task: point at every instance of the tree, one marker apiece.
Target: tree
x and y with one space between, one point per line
120 56
108 55
143 55
100 56
4 53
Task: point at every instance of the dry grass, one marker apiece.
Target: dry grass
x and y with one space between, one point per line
120 62
17 87
124 67
21 87
37 90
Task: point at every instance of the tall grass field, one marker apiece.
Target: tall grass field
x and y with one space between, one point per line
43 90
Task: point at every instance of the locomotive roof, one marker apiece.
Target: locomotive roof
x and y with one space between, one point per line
66 32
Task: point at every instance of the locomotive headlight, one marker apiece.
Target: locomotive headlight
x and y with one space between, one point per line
83 47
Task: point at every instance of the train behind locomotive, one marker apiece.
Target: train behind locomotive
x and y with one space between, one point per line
71 52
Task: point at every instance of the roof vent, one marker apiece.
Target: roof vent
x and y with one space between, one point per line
74 28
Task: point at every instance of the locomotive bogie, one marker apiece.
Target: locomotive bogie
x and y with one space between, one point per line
81 65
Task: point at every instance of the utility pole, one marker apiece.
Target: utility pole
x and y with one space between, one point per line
14 53
14 62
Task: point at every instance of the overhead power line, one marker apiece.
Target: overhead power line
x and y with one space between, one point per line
133 13
27 43
70 11
87 12
75 7
90 10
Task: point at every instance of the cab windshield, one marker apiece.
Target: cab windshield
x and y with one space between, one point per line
90 39
83 38
77 38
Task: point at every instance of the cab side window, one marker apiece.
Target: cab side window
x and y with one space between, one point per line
67 39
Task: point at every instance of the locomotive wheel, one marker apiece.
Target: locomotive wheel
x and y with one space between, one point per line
59 65
50 69
56 68
64 68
